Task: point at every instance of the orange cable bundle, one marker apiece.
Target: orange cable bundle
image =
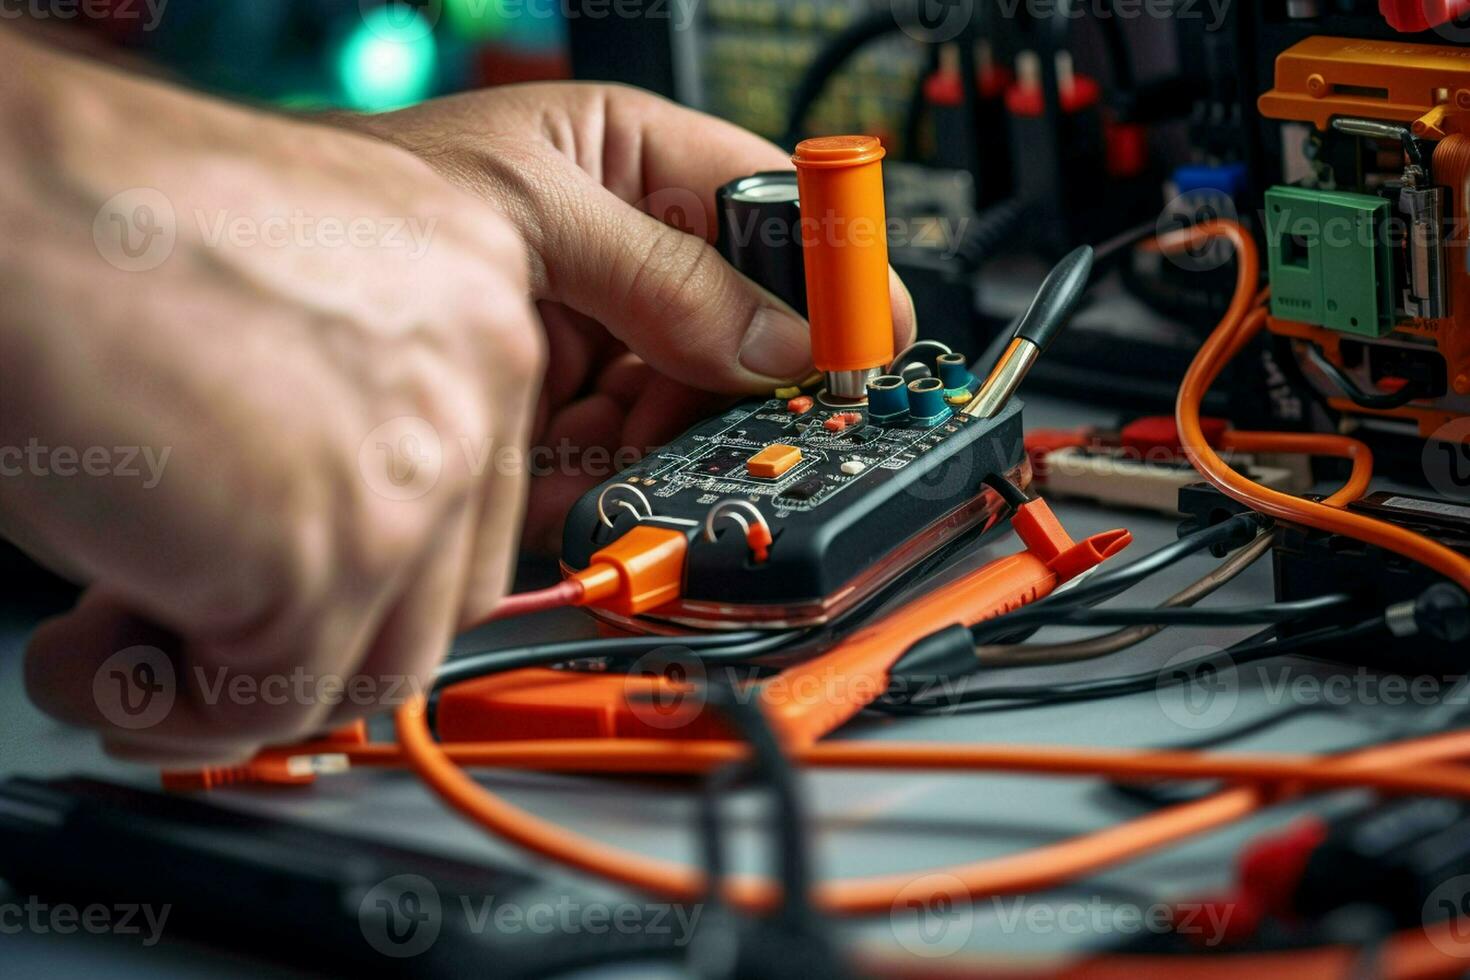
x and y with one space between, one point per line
1427 765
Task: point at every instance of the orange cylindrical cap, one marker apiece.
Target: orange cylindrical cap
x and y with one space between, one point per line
844 237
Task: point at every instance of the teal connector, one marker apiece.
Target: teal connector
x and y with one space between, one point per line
926 401
954 372
887 398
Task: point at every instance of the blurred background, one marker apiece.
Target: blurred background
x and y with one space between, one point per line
1015 130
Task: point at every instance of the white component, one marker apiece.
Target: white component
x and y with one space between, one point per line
853 467
1120 481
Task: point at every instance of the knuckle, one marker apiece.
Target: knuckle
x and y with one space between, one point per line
672 271
523 350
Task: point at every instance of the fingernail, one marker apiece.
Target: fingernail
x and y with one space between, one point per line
777 345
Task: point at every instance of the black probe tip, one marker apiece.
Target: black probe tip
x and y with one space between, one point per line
1057 298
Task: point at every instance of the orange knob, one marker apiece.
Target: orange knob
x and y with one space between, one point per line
844 237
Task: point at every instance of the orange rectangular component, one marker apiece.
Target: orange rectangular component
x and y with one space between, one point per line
773 461
1322 77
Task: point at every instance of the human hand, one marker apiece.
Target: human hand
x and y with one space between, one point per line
613 190
315 409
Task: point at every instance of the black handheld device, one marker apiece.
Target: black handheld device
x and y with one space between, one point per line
799 506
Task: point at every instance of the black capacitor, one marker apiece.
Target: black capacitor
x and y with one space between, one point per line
760 232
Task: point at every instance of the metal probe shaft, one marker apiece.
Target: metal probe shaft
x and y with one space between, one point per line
1053 304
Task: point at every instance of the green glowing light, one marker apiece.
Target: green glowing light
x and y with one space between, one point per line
390 60
478 20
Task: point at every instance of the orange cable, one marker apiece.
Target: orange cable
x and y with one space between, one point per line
1235 330
1313 444
1410 766
1399 768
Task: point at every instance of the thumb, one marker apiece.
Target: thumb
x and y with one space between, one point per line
666 293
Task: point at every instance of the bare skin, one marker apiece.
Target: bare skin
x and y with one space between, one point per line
282 378
594 176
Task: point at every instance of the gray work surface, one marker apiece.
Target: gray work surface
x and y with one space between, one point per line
863 823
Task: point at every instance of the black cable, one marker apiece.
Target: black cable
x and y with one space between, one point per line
949 654
1279 612
1112 249
1170 793
992 231
769 764
1115 641
1009 492
793 942
732 647
1234 531
711 647
1262 646
1364 399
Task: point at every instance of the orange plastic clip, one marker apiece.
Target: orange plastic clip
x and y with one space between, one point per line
803 702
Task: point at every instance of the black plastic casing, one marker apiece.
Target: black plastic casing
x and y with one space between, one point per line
878 517
1309 563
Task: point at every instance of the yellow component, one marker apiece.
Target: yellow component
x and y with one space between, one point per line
1424 85
789 392
773 461
963 398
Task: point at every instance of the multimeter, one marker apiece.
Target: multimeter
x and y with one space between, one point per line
801 505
